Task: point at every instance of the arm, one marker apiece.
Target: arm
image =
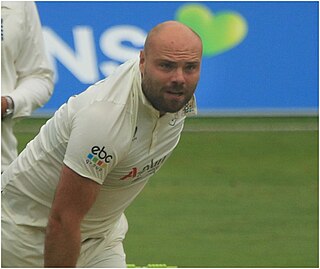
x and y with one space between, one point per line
74 197
35 78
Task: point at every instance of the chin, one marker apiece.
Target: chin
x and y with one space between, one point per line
174 110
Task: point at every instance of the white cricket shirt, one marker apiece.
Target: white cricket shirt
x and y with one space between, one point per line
111 134
25 72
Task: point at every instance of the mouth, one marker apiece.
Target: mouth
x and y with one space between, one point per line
175 93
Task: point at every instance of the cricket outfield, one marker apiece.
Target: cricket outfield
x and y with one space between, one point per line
237 192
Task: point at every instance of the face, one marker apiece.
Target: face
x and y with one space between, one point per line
170 73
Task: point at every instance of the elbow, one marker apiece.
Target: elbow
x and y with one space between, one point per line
49 85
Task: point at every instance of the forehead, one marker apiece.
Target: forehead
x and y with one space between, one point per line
175 44
175 51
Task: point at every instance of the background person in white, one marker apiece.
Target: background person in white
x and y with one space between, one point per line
26 78
64 197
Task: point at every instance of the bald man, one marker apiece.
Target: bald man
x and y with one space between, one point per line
64 197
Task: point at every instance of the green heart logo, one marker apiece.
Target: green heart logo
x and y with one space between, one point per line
219 32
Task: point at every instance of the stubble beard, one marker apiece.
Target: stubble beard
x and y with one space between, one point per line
156 96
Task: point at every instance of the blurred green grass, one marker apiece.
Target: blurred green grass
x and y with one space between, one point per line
237 192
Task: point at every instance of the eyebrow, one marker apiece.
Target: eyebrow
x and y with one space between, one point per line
170 61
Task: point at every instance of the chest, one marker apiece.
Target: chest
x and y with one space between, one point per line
152 143
13 30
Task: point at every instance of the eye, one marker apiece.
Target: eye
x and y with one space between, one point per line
166 65
191 67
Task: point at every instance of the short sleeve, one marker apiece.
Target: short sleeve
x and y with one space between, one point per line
98 140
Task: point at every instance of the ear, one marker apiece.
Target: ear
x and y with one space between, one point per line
142 61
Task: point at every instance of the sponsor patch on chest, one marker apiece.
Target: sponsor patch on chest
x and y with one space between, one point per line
147 170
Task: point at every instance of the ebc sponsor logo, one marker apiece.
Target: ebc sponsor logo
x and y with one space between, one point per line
98 158
147 170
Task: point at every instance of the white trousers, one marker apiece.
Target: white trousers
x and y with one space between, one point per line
22 246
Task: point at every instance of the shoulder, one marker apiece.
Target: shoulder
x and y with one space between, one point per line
112 94
12 5
19 6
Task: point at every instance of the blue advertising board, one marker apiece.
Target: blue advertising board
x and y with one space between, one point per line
259 57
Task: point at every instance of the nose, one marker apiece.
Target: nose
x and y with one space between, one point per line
178 76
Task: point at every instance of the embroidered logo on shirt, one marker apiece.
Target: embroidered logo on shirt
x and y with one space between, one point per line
135 134
173 122
131 174
147 170
98 158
